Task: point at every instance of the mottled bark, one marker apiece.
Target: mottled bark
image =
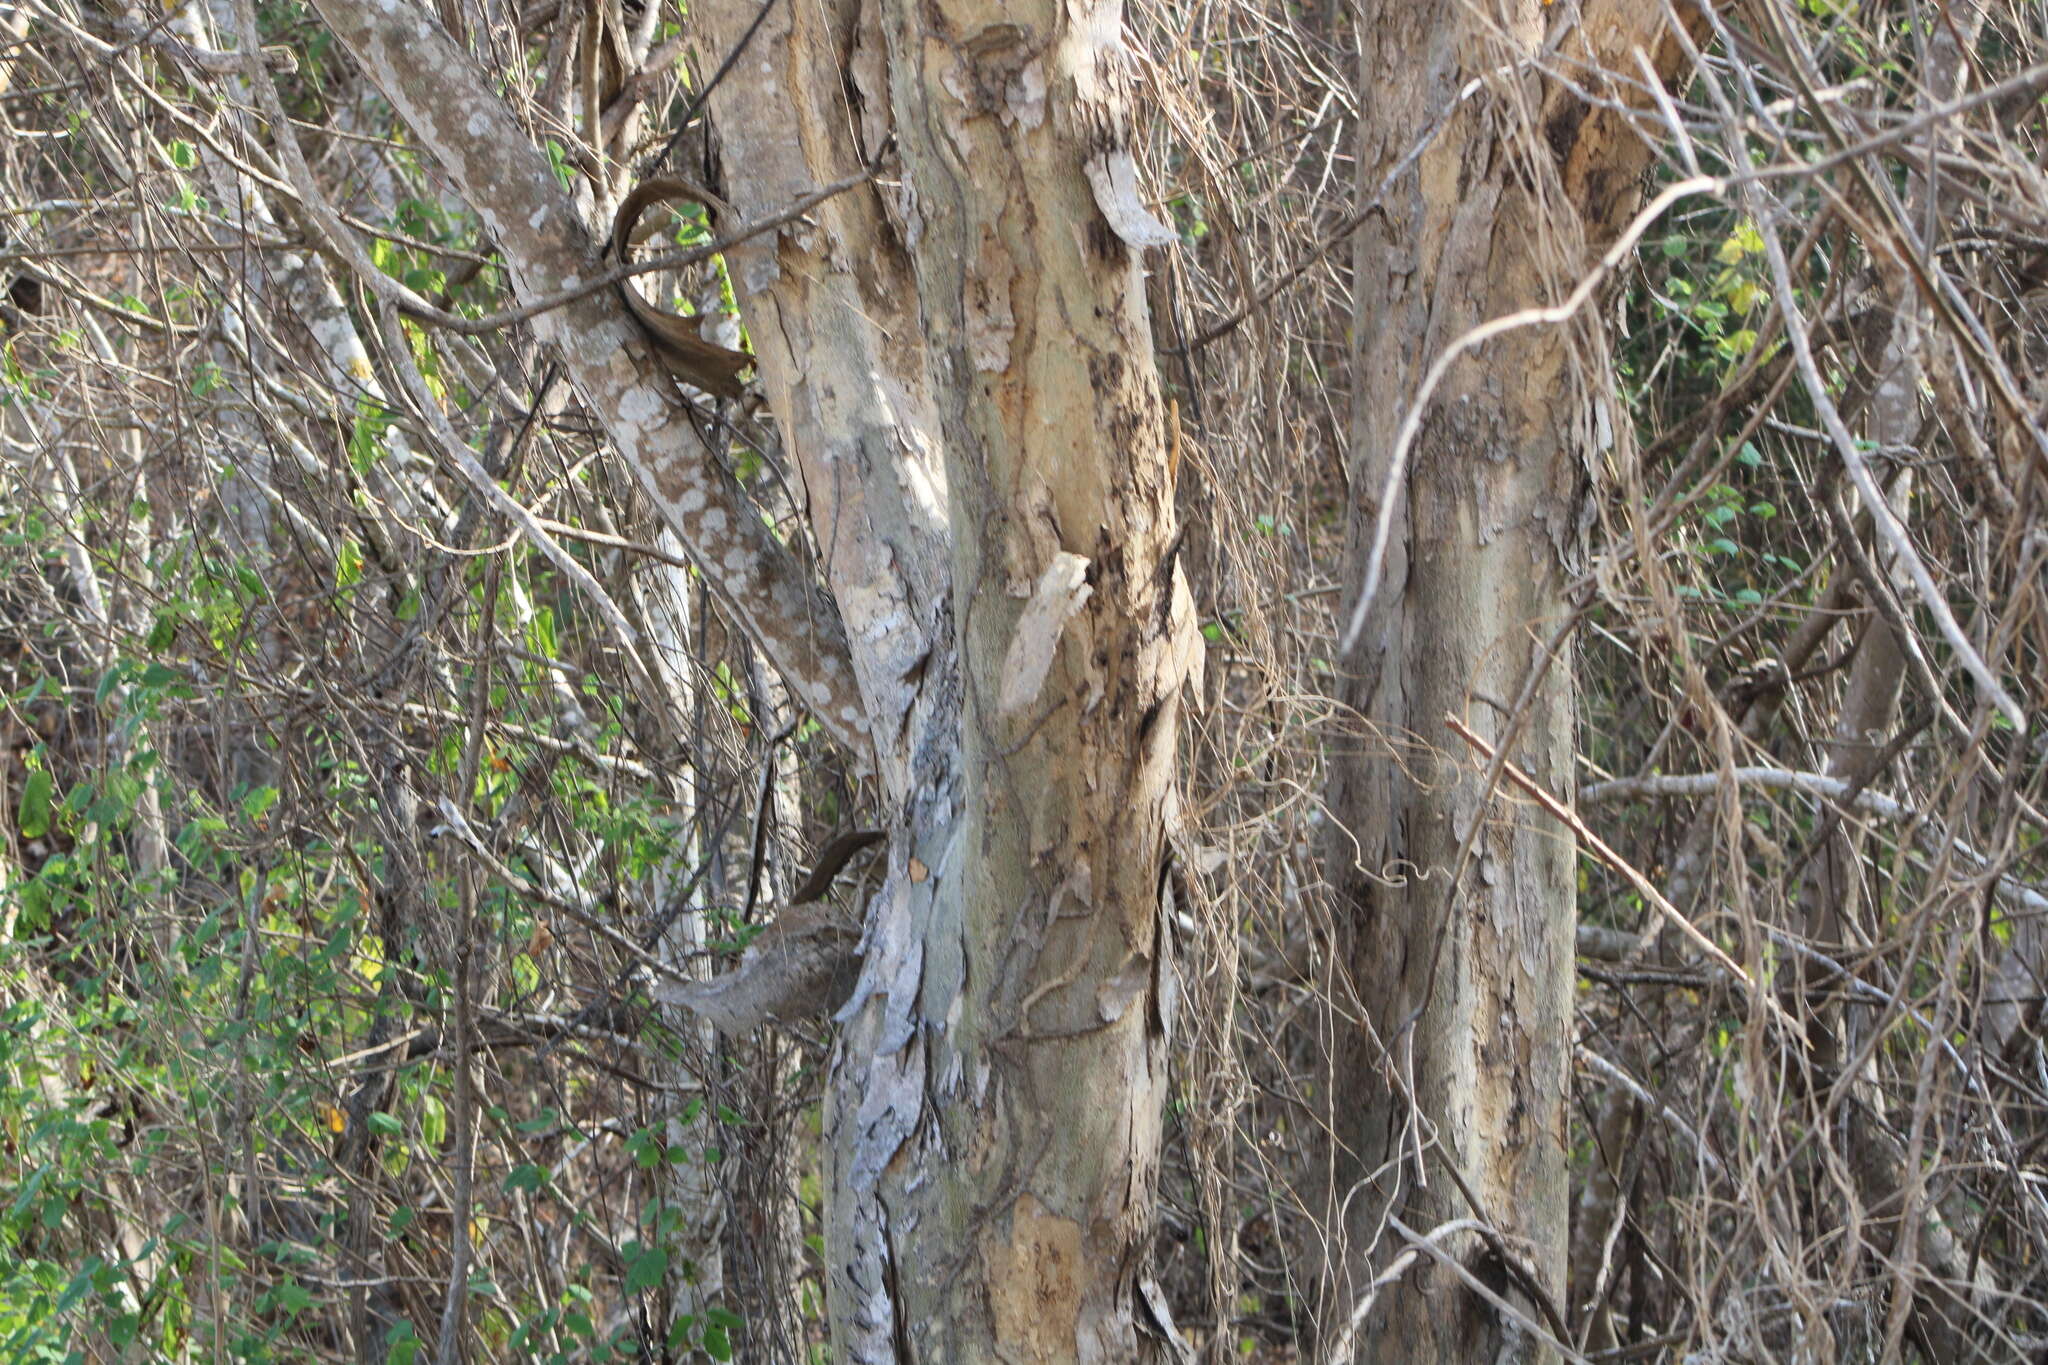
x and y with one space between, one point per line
961 368
831 308
1459 910
445 99
997 1092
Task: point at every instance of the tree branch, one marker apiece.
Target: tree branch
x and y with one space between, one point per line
446 102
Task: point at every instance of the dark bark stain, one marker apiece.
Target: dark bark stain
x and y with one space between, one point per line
1561 130
1104 244
1145 721
1600 193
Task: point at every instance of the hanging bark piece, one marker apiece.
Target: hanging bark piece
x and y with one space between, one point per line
697 362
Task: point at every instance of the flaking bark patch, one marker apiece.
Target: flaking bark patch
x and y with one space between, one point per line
991 321
1113 176
1060 592
1035 1284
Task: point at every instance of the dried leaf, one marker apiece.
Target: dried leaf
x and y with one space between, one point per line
1190 650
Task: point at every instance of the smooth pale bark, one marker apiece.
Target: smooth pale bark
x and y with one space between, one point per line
697 1271
1458 909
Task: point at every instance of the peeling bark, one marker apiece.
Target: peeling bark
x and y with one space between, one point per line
996 1121
961 368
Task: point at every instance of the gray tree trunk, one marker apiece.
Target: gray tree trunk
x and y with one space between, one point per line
1449 1108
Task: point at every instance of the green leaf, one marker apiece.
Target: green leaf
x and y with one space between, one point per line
644 1271
1739 343
35 804
348 563
679 1333
526 1176
381 1122
645 1148
547 1119
1746 241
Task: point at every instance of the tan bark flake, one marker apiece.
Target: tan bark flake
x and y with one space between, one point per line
1035 1284
991 321
1061 591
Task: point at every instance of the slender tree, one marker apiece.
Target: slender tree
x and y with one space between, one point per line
1497 161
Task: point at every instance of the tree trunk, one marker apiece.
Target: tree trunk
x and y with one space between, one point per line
1450 1104
994 515
997 1092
